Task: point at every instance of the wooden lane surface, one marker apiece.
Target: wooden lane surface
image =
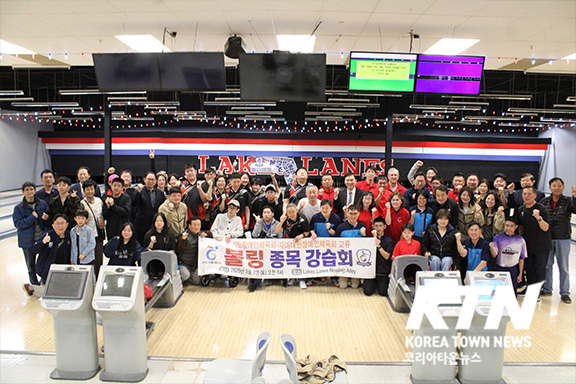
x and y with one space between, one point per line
215 321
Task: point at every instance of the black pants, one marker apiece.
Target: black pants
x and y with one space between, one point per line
535 266
381 282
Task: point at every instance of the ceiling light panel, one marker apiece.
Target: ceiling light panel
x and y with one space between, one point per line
450 46
143 43
296 43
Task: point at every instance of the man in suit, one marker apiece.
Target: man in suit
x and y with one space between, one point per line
83 174
350 195
148 200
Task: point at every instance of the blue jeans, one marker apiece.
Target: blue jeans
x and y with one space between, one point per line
31 265
440 264
560 249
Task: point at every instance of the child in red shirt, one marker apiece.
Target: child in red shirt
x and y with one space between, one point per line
407 245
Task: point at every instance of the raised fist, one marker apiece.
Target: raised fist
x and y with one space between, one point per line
45 216
500 209
111 170
458 236
419 163
140 187
510 187
536 213
34 214
184 235
478 208
374 210
328 226
171 206
152 239
387 205
363 231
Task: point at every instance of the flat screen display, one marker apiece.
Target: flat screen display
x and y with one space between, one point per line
449 282
373 71
117 285
494 283
192 71
282 76
116 72
449 74
65 285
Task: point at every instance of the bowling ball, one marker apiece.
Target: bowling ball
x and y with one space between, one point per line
147 292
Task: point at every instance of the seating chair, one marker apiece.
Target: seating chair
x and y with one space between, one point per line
288 345
231 371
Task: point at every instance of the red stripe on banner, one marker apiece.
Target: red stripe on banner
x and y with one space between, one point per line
434 144
367 143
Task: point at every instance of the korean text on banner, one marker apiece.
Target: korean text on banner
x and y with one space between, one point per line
284 258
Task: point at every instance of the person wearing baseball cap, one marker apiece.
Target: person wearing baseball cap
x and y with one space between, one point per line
228 225
270 199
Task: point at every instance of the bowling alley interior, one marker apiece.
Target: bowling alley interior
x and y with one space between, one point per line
358 117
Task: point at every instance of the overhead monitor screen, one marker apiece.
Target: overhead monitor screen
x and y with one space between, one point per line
372 71
65 285
449 74
117 285
493 283
192 71
117 72
282 76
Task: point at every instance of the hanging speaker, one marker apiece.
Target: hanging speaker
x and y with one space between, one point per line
234 46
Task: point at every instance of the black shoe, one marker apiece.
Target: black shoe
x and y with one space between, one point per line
521 290
233 281
205 280
285 282
252 287
566 299
543 292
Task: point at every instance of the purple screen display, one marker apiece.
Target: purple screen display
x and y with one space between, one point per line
449 74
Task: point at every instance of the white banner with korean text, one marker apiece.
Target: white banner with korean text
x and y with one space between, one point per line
286 259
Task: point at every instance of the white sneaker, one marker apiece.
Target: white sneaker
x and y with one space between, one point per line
303 284
291 281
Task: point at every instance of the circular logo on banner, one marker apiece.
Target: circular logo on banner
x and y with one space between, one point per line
211 253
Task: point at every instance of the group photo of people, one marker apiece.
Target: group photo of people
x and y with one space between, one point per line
460 222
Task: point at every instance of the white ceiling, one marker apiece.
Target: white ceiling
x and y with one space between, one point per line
507 29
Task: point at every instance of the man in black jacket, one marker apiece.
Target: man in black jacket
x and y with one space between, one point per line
148 200
116 209
534 222
443 202
348 196
559 208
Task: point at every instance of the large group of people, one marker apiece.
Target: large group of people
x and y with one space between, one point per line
476 225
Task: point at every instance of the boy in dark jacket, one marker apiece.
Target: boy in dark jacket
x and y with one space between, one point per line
28 219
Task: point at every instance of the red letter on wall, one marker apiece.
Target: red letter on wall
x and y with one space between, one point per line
329 167
225 165
244 164
203 163
305 165
348 167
